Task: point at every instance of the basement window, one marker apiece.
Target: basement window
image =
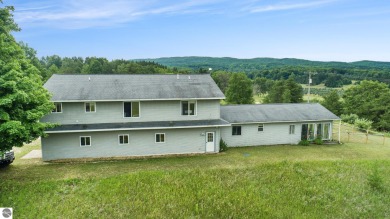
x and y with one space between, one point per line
123 139
85 141
160 137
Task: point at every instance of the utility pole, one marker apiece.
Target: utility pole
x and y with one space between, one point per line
310 81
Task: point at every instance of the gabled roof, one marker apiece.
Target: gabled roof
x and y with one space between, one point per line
69 88
267 113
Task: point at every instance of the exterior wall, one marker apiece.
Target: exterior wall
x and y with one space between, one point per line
274 133
112 112
141 143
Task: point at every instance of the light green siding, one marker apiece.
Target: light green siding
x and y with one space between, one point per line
141 143
112 112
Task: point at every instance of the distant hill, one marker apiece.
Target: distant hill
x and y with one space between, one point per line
334 74
246 65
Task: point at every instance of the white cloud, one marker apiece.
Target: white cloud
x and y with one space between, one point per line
288 6
77 14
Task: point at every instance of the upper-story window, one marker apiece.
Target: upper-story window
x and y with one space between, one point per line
90 107
57 108
188 108
131 109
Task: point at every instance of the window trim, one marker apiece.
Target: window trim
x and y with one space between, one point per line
160 142
258 127
119 139
56 107
123 109
90 141
189 101
291 131
233 126
85 107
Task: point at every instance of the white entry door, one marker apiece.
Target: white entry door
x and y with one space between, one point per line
210 142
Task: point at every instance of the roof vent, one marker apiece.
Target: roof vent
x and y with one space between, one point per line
189 77
177 76
89 78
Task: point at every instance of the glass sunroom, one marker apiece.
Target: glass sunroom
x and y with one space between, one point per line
311 131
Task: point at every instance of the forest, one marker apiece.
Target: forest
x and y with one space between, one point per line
332 74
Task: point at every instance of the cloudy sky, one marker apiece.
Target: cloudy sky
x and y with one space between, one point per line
337 30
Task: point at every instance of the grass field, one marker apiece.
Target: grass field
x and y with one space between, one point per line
335 181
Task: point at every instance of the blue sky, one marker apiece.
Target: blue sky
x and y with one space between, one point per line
325 30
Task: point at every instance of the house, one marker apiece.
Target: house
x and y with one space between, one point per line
142 115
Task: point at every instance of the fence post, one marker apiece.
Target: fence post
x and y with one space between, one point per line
348 136
384 139
367 136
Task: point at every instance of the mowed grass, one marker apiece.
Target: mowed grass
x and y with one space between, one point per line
286 181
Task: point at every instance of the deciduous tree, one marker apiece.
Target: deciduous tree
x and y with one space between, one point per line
240 89
23 100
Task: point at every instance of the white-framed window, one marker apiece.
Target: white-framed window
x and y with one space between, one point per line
292 130
131 109
260 127
236 130
188 108
85 141
90 107
57 108
160 137
327 131
123 139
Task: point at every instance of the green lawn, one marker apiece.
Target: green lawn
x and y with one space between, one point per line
336 181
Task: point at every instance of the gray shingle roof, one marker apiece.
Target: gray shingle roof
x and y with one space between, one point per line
276 113
137 125
132 87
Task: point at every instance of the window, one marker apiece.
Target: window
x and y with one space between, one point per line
292 129
236 130
85 141
131 109
57 108
260 128
160 137
90 107
188 108
327 130
123 139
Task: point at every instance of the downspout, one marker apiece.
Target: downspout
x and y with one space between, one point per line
339 131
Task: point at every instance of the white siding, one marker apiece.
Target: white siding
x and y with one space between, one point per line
112 112
277 133
141 143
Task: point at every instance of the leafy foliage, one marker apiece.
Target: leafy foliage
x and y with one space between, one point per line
332 102
285 91
363 123
304 142
369 100
23 100
221 78
349 118
222 146
240 89
318 141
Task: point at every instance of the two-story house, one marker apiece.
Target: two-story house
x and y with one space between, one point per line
141 115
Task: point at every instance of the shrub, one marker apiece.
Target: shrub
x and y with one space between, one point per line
349 118
222 146
363 123
318 141
304 143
